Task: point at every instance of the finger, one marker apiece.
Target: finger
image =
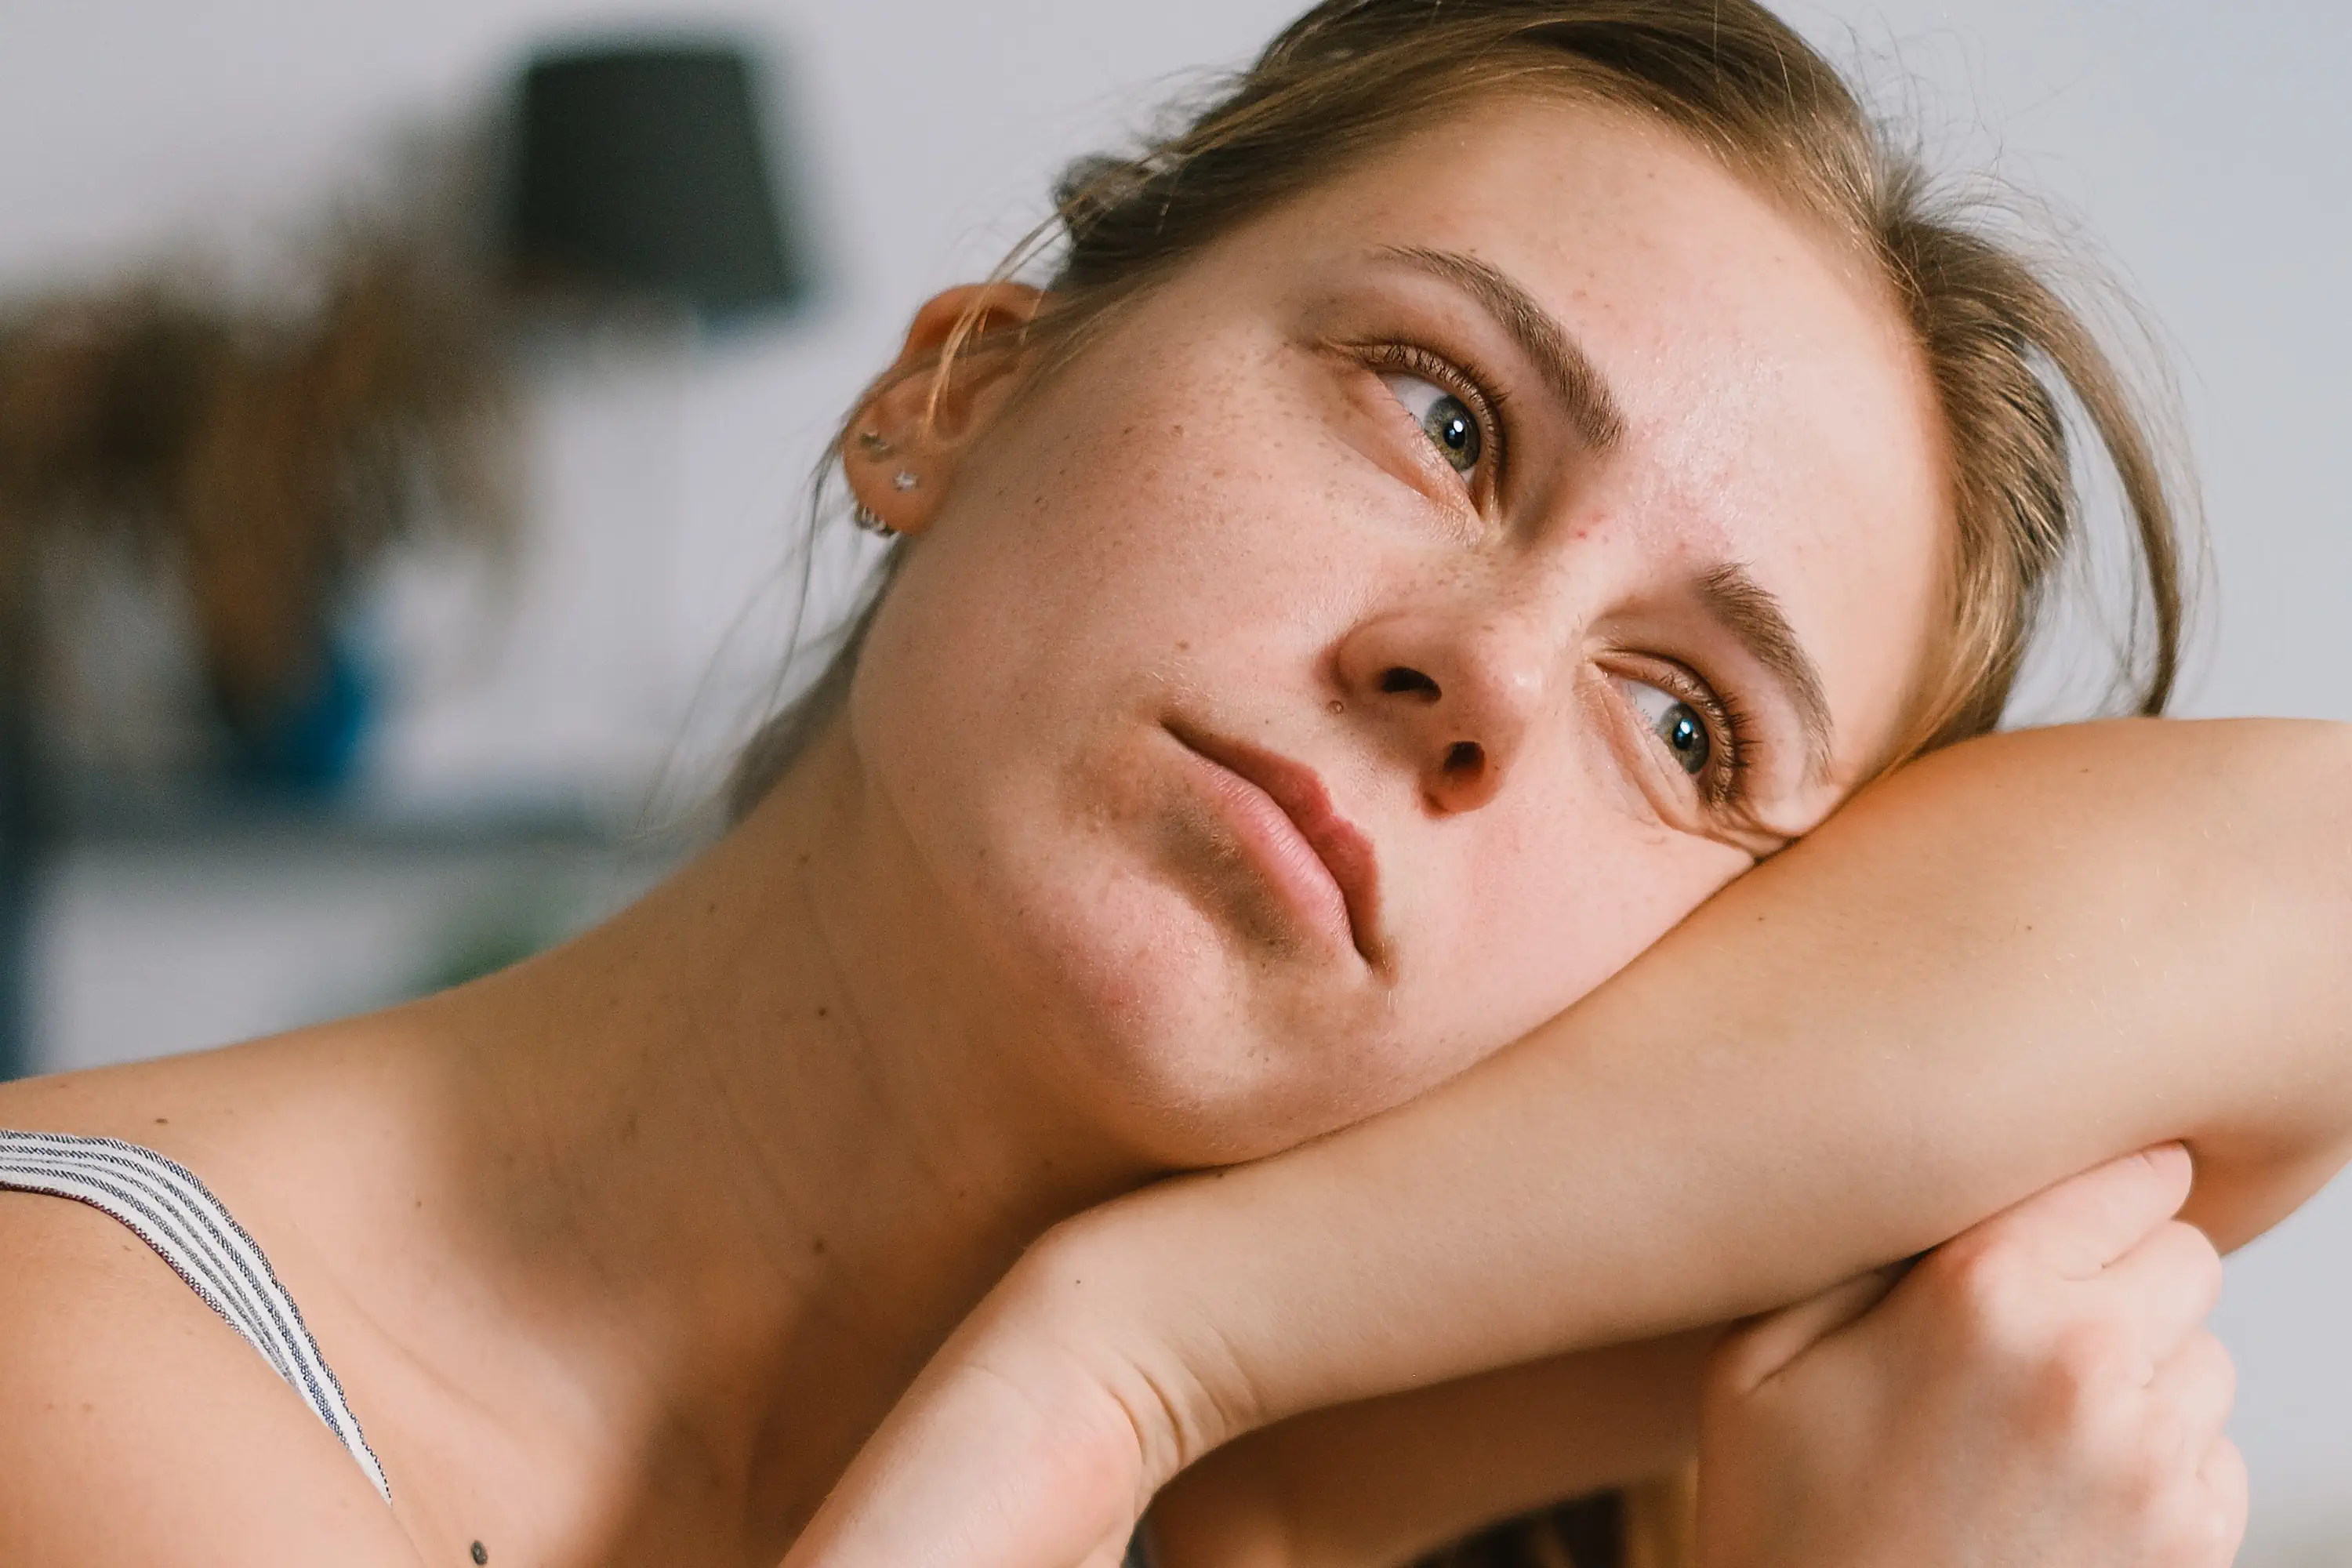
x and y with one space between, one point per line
1761 1348
2084 1223
1111 1553
2163 1290
2223 1474
2197 1387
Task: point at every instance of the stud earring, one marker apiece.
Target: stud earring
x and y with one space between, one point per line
904 480
866 518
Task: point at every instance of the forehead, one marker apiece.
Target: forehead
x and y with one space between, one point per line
1777 409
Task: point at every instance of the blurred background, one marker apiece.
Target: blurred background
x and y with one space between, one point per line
405 414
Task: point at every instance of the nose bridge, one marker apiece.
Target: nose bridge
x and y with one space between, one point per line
1507 656
1508 633
1467 671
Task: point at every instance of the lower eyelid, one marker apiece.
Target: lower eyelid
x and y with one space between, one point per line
1637 724
1472 489
1725 746
1426 365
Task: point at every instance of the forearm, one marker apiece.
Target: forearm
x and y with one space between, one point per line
2007 964
1387 1480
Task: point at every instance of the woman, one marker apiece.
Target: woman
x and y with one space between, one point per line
1456 508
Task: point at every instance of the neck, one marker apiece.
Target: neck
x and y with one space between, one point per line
775 1136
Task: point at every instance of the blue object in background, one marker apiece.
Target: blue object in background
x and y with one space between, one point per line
311 746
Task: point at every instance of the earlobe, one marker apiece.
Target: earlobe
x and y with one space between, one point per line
960 358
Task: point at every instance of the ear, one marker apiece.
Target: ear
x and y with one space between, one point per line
959 363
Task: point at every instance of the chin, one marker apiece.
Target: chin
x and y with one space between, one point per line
1201 1050
1196 1027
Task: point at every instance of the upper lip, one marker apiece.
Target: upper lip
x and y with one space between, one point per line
1298 790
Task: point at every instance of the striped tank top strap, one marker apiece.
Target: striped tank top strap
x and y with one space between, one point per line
176 1214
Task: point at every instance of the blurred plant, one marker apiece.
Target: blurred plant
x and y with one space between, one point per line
259 455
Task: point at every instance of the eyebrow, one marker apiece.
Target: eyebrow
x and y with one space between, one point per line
1565 368
1747 609
1729 593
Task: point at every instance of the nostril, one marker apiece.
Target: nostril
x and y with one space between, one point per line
1397 679
1464 759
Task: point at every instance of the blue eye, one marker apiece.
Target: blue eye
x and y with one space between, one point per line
1445 418
1676 723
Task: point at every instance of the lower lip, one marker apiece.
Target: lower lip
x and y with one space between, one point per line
1272 843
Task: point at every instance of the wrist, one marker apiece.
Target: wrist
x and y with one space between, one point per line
1091 1306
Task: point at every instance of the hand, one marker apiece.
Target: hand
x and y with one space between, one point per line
1026 1443
2039 1390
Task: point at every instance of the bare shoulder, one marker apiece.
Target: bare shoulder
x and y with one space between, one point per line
142 1429
162 1101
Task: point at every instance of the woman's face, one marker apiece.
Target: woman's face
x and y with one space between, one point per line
1401 617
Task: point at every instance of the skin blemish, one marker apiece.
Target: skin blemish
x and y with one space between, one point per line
480 1553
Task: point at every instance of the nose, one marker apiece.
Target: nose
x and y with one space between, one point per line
1459 694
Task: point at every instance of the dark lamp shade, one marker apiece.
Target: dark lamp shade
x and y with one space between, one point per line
643 168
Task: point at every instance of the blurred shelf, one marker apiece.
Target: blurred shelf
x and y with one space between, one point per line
113 814
156 919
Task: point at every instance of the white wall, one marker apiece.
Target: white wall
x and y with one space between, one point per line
2206 145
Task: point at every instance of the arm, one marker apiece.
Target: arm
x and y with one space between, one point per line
1386 1480
2006 963
1999 1403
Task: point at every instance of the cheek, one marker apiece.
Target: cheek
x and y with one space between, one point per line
1548 898
1607 904
1129 537
1125 546
1138 512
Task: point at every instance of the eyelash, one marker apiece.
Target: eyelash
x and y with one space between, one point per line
1486 407
1725 788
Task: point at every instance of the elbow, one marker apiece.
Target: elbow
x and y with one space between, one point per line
2331 748
2278 793
2292 779
2331 745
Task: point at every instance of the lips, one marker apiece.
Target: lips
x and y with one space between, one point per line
1345 855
